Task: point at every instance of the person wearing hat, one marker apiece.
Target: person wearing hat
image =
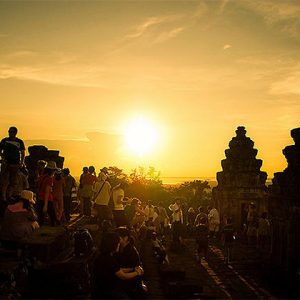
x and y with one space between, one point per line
45 195
19 218
12 151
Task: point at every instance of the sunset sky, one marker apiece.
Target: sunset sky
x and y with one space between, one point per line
74 74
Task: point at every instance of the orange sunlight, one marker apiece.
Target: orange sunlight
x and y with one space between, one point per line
141 136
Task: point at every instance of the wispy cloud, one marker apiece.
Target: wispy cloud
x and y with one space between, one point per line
73 75
227 46
166 35
150 23
289 84
21 54
285 14
159 29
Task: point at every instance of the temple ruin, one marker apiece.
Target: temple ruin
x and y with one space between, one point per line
284 207
37 153
241 182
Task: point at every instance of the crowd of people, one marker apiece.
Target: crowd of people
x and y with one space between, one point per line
50 202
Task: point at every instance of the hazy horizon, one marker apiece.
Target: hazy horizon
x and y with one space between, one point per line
154 83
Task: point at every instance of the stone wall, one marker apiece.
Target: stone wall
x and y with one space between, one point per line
37 153
284 199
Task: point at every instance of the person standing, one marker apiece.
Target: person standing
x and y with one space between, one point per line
177 222
45 195
86 193
12 151
264 232
102 192
228 239
58 195
201 214
202 238
213 222
118 199
70 183
164 219
252 223
85 171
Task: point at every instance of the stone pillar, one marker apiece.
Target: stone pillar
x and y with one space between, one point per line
284 202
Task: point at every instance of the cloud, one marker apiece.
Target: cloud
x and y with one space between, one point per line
227 46
66 74
150 23
284 14
166 35
21 54
159 29
290 84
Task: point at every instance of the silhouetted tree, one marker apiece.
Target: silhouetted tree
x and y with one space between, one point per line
194 193
116 176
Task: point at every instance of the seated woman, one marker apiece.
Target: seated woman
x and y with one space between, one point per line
19 218
108 275
129 259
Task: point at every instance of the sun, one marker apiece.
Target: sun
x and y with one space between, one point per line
141 136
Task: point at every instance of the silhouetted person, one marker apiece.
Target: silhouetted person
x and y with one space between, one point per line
202 238
19 219
13 155
264 232
201 214
102 193
85 171
177 222
118 198
252 222
108 274
45 196
86 193
70 183
228 240
58 195
213 221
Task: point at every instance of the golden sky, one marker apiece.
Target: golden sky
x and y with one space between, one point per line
74 73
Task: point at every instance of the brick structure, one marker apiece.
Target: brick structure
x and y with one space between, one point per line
241 182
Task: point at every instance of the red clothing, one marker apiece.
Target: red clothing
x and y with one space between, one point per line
88 179
44 181
58 186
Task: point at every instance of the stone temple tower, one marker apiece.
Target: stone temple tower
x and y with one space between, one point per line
241 182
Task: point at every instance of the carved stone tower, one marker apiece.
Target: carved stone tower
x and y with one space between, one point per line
241 182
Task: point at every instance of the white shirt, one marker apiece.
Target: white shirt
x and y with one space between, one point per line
214 217
177 212
104 195
118 196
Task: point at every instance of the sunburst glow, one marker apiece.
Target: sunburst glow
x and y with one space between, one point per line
141 136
